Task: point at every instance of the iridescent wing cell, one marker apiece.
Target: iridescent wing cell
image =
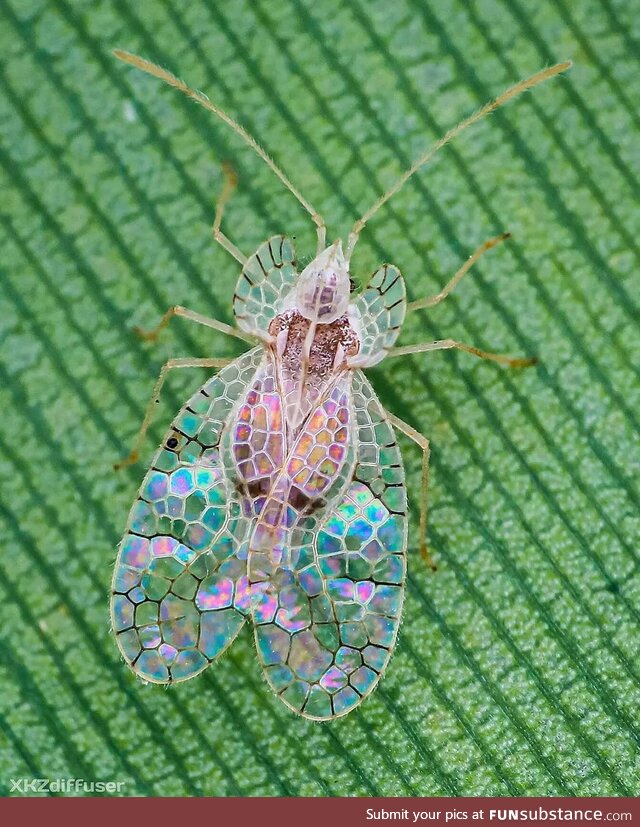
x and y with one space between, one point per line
258 442
381 309
317 467
336 607
267 277
180 590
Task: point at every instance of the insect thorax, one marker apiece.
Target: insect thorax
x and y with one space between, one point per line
291 329
308 355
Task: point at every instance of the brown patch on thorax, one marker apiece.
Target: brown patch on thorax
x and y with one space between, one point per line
324 346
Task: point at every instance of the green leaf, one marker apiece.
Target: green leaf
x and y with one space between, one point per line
517 666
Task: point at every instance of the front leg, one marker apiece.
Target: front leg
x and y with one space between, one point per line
431 301
134 456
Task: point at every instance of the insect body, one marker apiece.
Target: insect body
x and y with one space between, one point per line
278 494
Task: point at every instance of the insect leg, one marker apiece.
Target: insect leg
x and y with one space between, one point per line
448 344
430 301
172 364
230 182
423 443
192 316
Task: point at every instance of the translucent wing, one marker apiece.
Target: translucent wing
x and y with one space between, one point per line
329 638
381 307
266 279
317 466
180 592
258 432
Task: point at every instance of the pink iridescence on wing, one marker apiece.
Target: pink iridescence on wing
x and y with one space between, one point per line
258 439
291 434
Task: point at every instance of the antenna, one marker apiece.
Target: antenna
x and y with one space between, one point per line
505 97
203 100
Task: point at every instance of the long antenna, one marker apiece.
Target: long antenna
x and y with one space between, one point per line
203 100
505 97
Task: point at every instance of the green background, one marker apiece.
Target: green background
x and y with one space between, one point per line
517 669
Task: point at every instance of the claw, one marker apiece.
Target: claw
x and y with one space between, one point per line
524 363
133 457
146 335
424 553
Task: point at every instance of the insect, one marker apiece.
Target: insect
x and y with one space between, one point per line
278 494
